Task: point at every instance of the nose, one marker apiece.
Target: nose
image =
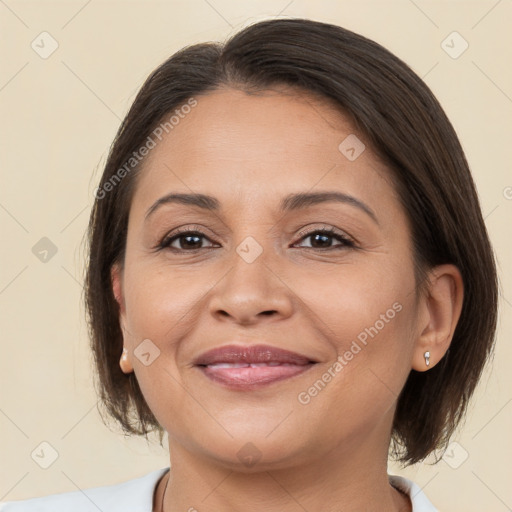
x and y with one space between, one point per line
252 291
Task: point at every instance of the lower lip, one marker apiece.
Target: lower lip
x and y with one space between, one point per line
252 378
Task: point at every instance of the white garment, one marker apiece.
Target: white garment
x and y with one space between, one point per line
136 495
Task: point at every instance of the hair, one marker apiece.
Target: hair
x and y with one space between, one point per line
406 128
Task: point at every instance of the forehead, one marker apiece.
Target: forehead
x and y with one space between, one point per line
237 145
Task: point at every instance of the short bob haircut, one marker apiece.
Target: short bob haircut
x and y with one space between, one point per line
404 126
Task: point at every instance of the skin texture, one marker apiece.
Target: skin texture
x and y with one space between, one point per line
250 151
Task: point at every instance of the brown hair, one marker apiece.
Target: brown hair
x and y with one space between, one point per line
405 126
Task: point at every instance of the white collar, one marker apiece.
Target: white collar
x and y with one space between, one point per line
137 495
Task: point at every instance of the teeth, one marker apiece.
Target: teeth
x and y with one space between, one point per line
229 365
247 365
271 363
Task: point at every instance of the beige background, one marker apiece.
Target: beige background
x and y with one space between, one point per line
58 118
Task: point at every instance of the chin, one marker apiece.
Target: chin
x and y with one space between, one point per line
256 453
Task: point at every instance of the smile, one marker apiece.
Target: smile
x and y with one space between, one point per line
252 375
250 367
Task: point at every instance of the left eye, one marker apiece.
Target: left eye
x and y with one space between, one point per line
322 237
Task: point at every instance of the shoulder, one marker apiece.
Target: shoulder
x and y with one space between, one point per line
135 494
420 503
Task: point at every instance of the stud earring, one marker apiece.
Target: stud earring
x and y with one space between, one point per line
125 365
427 358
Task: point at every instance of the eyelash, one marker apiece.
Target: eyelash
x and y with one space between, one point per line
331 232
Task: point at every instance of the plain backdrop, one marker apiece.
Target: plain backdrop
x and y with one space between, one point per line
59 112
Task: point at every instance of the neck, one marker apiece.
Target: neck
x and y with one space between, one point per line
346 479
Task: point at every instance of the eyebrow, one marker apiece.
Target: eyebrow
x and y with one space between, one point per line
291 202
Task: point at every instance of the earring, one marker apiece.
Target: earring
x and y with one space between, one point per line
125 365
427 358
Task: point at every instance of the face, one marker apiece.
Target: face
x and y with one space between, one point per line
331 280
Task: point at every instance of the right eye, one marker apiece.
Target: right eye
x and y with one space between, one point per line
188 240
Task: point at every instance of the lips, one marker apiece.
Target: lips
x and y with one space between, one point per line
254 354
250 367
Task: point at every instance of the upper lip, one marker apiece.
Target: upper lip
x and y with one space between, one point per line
250 354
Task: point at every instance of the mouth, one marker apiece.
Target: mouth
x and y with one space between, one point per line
251 367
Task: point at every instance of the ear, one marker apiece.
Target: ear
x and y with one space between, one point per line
439 313
116 275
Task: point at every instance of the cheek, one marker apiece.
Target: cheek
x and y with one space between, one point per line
163 304
366 317
359 304
159 311
160 300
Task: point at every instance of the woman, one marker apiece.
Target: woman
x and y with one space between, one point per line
289 274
